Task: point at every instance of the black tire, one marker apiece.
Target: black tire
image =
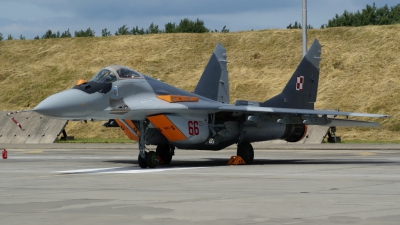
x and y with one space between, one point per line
246 151
142 162
151 159
164 153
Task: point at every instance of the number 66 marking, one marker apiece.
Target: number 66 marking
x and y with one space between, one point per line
193 127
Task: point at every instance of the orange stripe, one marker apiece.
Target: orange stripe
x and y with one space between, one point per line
177 98
132 125
167 128
126 130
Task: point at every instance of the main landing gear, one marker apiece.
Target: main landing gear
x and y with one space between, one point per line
246 151
165 153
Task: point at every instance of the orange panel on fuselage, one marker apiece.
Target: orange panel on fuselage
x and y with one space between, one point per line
127 131
177 98
167 128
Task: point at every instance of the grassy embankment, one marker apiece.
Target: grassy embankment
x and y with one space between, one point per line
359 70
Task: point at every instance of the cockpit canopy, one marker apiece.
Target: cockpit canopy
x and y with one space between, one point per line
114 73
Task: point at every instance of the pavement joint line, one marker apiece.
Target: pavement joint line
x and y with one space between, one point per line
34 152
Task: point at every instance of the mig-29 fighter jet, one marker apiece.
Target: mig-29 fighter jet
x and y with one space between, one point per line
155 113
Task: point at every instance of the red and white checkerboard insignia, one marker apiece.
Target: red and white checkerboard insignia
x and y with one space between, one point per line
299 83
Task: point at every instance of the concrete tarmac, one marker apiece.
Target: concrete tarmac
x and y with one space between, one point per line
287 184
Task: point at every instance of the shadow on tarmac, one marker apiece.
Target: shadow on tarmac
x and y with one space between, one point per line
131 166
214 162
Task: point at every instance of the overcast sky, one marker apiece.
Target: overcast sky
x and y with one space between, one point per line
35 17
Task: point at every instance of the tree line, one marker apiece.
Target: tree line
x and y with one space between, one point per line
184 26
371 15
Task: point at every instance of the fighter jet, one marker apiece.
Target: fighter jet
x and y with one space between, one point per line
152 112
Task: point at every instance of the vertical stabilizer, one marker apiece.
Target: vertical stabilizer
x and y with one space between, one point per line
301 90
214 83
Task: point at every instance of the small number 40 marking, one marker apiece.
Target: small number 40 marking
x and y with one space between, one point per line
193 127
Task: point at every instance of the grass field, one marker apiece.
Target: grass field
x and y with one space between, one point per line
359 69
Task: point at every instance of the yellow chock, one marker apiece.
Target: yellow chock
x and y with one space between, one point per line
236 160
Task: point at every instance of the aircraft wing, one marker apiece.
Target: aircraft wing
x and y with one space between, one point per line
306 116
254 109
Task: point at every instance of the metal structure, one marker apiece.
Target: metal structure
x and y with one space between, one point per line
304 27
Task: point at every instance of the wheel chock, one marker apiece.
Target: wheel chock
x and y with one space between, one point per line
236 160
160 161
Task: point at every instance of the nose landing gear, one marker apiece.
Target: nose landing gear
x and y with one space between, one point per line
145 159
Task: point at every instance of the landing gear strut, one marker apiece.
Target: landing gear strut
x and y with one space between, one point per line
145 159
246 151
332 138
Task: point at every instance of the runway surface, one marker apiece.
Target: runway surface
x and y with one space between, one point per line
102 184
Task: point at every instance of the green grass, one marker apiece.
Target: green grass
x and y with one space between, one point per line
96 140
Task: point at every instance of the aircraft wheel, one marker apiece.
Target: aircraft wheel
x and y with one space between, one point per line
246 151
164 153
142 162
151 159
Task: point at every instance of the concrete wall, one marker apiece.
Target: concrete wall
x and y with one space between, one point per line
36 128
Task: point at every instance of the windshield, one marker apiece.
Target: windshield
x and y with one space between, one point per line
104 76
127 73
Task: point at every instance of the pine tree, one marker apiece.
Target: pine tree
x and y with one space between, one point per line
105 33
124 30
224 30
170 28
66 34
88 33
49 34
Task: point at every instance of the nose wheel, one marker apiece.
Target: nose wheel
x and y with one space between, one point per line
149 161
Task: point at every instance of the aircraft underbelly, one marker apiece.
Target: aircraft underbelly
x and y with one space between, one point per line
263 131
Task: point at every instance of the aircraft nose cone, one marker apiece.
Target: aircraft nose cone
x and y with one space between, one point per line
67 104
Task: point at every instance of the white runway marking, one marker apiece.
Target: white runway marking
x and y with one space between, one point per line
122 170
